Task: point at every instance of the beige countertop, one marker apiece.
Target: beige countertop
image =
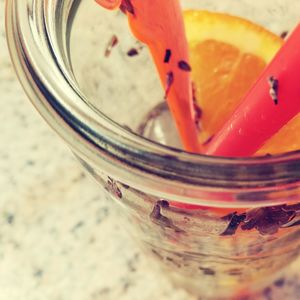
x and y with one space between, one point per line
59 237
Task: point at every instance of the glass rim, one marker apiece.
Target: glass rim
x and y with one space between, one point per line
37 33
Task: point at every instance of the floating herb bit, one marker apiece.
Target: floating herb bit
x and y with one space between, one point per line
169 82
267 220
280 282
163 203
197 108
234 224
126 6
284 34
159 219
198 114
274 84
168 55
132 52
113 188
113 42
183 65
207 271
208 140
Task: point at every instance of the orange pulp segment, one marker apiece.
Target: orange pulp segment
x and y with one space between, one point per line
285 140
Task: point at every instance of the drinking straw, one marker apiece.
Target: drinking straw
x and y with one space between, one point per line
160 25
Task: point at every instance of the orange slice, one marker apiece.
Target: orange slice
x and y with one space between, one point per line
285 140
227 55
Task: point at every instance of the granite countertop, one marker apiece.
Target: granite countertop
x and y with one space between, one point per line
59 237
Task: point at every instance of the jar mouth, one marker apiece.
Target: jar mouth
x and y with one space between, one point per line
38 35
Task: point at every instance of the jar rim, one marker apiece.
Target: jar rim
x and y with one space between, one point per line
37 35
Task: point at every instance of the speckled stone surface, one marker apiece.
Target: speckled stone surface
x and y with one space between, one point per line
59 237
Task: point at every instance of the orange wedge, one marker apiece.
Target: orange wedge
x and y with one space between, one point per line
286 139
227 55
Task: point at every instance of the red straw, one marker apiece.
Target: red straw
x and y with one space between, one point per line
269 105
160 25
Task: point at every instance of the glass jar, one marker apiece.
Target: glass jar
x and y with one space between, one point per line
218 227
